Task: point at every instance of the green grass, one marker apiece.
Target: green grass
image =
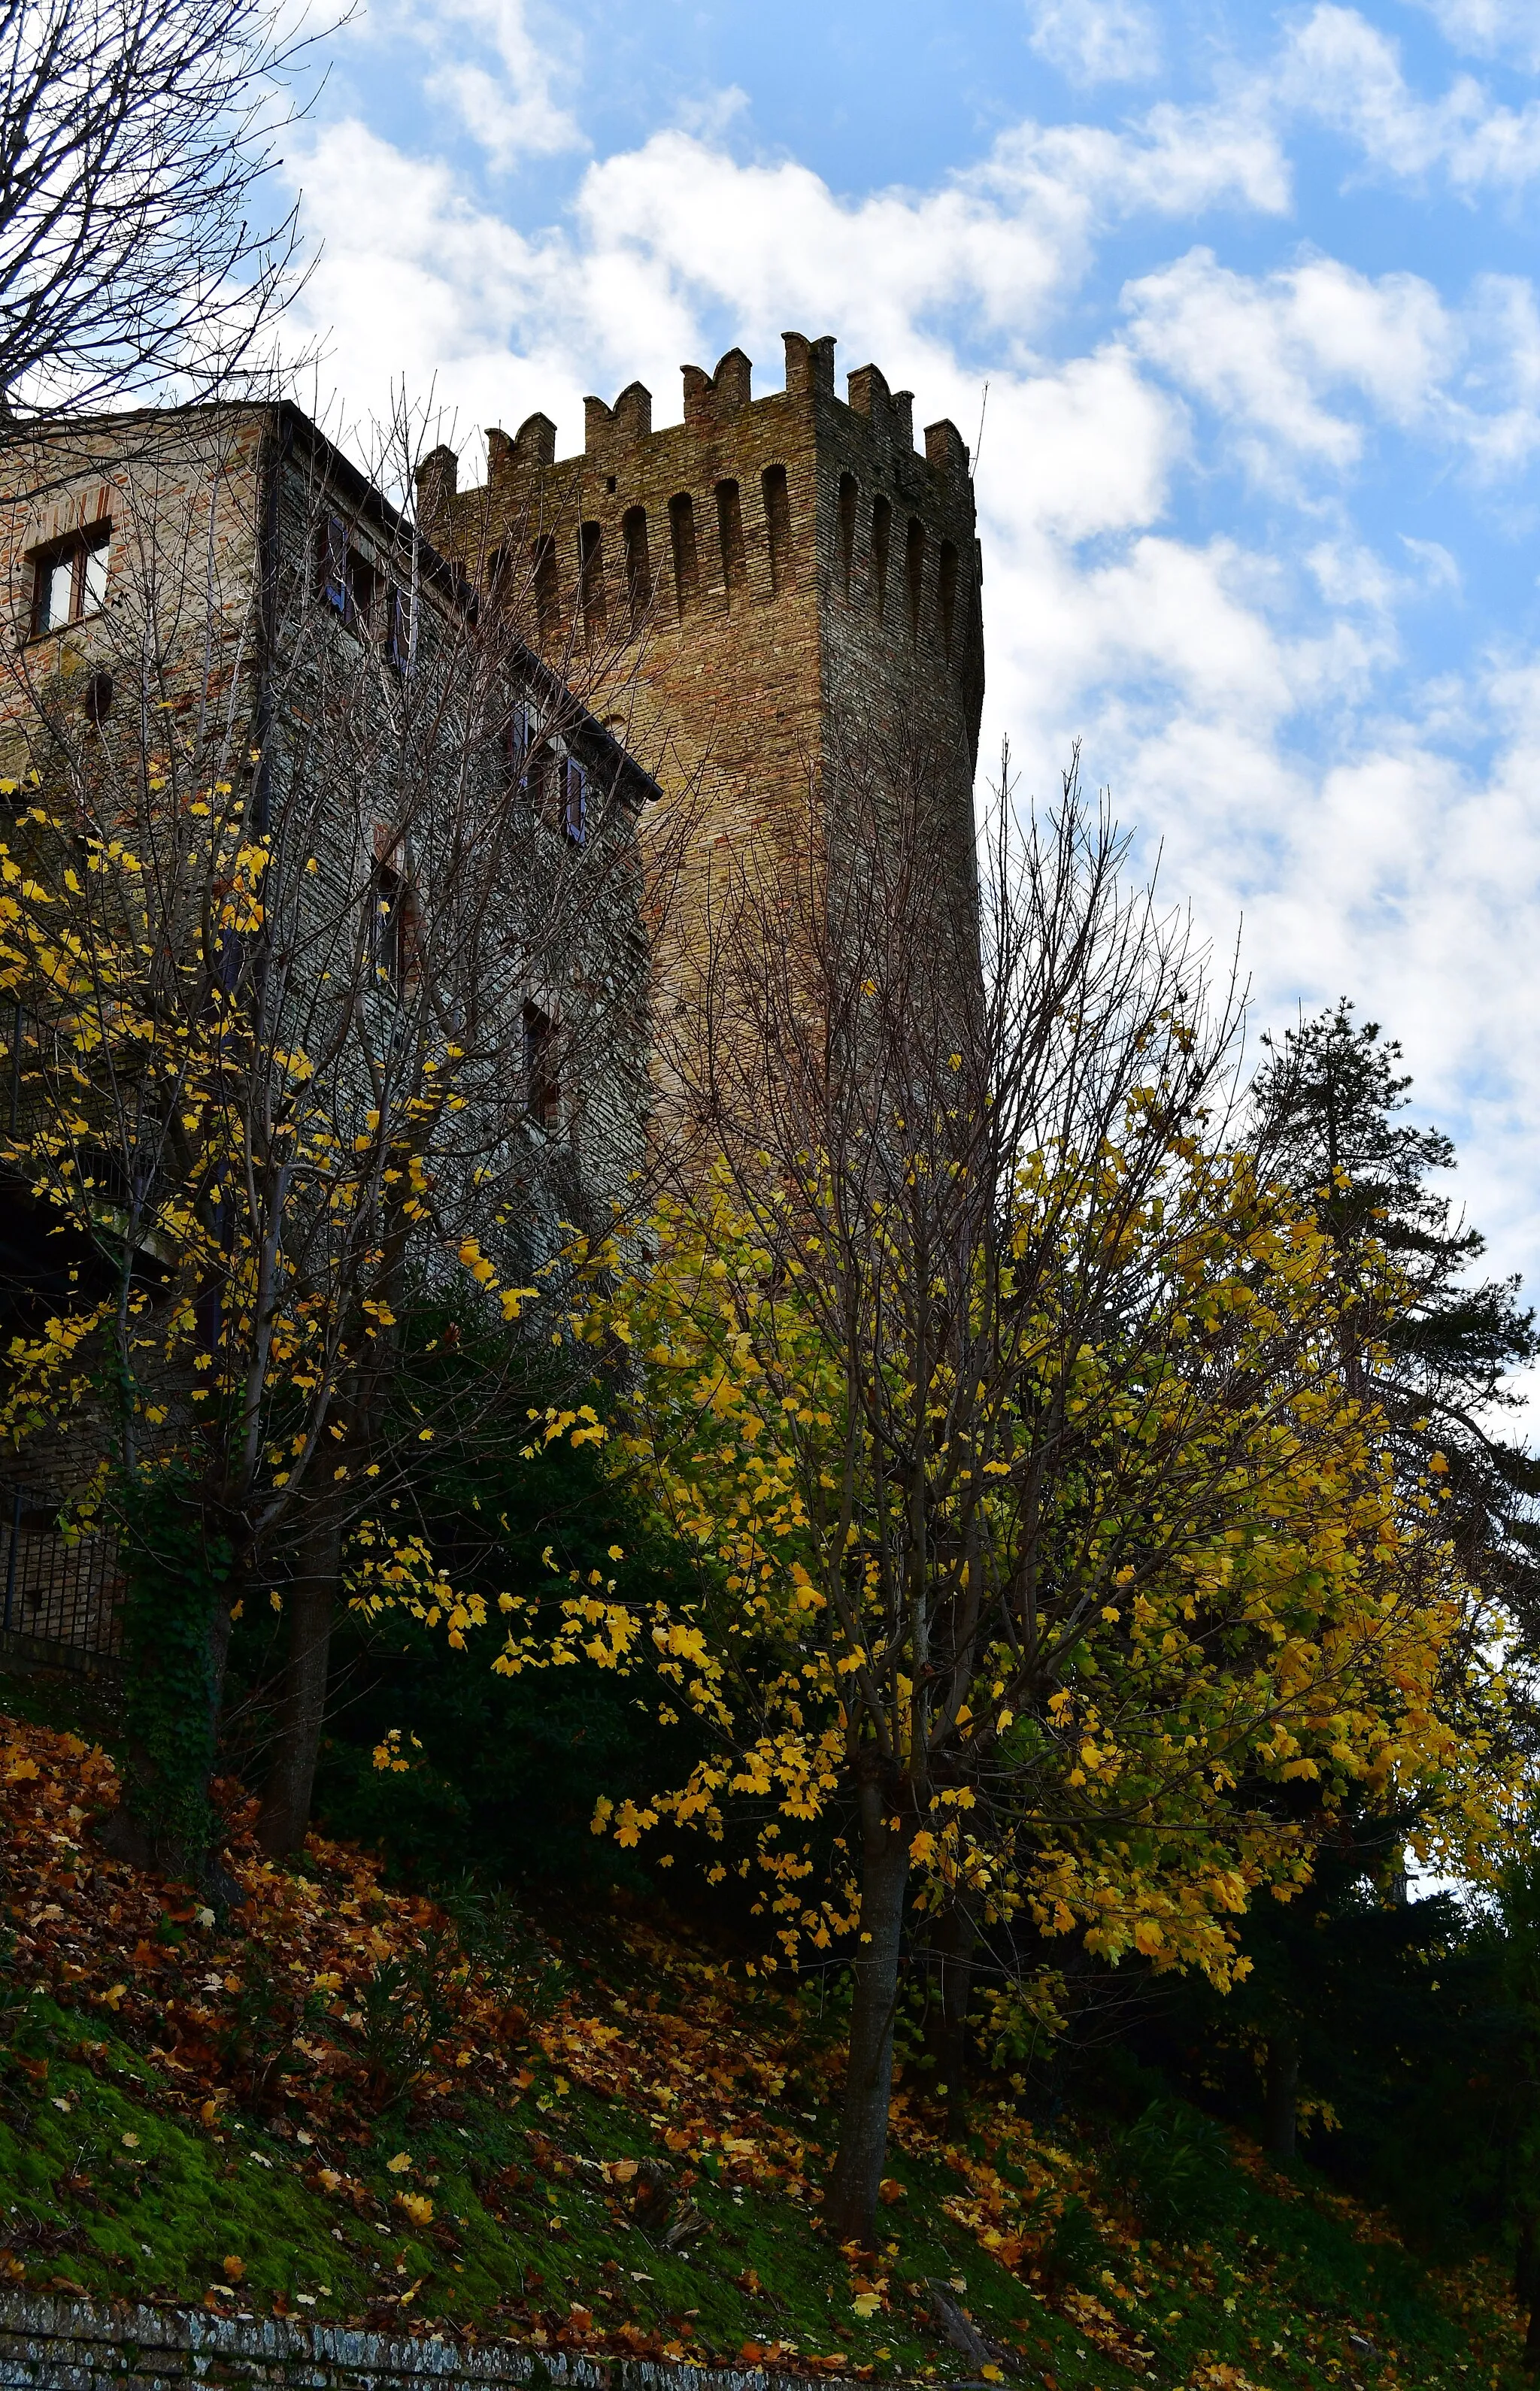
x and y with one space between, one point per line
111 2182
107 2191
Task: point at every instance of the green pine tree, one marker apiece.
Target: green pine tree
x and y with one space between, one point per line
1327 1112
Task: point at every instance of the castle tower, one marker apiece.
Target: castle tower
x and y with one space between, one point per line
746 575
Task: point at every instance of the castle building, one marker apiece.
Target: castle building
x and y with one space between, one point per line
227 566
228 653
773 577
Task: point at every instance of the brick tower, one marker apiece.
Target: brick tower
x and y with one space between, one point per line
746 574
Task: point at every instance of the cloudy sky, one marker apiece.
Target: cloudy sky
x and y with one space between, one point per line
1253 291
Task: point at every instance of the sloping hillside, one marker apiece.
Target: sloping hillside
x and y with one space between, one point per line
335 2100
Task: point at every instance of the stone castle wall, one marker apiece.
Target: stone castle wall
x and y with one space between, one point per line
58 2345
790 570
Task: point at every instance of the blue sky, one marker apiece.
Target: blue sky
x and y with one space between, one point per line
1254 292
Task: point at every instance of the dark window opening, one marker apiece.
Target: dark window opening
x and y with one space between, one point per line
367 602
363 585
778 519
399 628
70 580
497 565
548 592
915 565
847 531
515 746
387 925
687 567
729 534
882 540
542 1087
543 768
332 563
590 577
97 701
574 801
638 563
946 595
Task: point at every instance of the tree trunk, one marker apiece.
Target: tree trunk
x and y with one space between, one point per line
1283 2095
176 1627
301 1706
946 2027
1526 2286
869 2067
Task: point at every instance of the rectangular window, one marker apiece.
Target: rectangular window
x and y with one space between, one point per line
729 534
56 593
542 1088
882 536
847 532
386 927
332 563
914 567
548 588
778 521
574 802
362 587
638 563
515 746
70 580
399 628
590 577
544 780
94 594
687 570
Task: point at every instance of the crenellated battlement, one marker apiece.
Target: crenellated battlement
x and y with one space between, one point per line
712 405
749 572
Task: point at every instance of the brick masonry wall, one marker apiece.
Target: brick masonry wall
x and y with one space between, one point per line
742 661
54 2345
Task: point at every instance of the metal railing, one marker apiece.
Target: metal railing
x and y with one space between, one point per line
63 1595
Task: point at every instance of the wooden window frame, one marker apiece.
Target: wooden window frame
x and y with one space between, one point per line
75 548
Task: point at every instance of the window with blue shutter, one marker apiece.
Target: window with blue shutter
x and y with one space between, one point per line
331 563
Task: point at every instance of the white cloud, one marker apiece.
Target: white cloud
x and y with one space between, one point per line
1436 568
1269 352
1343 72
507 96
1489 28
1300 361
1079 452
1176 161
1097 41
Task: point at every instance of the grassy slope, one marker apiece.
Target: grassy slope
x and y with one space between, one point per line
174 2123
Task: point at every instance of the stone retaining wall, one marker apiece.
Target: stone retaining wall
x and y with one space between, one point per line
54 2345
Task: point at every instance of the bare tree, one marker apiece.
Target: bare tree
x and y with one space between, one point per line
137 139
